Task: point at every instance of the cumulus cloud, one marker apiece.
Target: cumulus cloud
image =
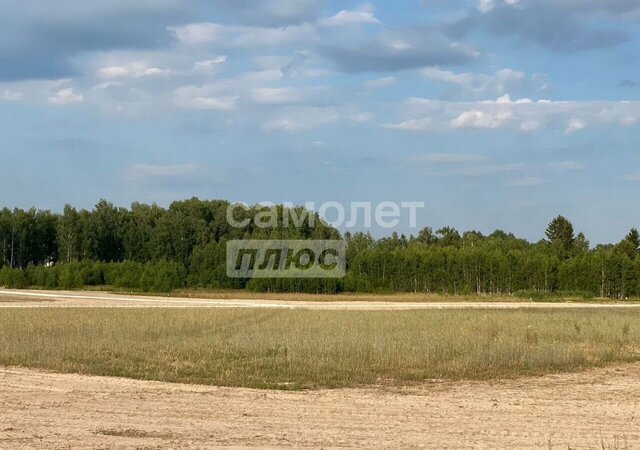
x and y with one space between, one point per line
133 70
276 96
242 37
66 96
504 81
423 124
524 115
266 81
363 16
565 26
38 41
198 33
382 50
393 51
208 65
203 98
482 119
575 125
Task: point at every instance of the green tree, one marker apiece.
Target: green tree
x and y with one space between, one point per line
560 236
630 245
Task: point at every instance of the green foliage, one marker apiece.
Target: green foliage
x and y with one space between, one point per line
12 278
151 248
162 276
560 236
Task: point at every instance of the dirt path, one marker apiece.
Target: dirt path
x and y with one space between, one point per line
50 299
45 410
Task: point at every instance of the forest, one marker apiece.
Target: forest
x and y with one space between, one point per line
156 249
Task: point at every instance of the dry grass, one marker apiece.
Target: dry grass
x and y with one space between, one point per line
290 349
241 294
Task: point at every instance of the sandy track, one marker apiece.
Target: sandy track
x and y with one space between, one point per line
49 299
45 410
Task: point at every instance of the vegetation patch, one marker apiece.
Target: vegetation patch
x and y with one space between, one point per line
290 349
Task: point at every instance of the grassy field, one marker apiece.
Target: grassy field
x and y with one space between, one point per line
418 297
309 349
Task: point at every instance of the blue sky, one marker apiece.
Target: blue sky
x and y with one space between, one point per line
495 113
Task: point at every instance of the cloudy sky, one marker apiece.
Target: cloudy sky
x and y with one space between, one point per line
495 113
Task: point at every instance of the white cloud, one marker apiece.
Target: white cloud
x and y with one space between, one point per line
276 96
523 115
194 97
113 72
107 85
380 82
399 44
485 6
347 18
633 177
133 70
10 95
482 119
208 64
66 96
530 125
229 36
423 124
197 33
224 103
502 82
575 125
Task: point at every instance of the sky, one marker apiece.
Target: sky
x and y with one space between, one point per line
494 113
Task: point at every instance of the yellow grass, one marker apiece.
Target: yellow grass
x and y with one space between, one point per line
292 349
419 297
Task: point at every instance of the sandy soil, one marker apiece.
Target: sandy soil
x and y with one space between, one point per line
583 410
52 299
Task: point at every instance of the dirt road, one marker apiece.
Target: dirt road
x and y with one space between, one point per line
584 410
48 299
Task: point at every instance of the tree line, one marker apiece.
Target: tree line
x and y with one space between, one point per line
151 248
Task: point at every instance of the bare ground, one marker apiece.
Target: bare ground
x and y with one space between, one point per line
52 299
597 408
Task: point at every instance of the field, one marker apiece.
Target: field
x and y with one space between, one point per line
394 297
307 349
104 370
